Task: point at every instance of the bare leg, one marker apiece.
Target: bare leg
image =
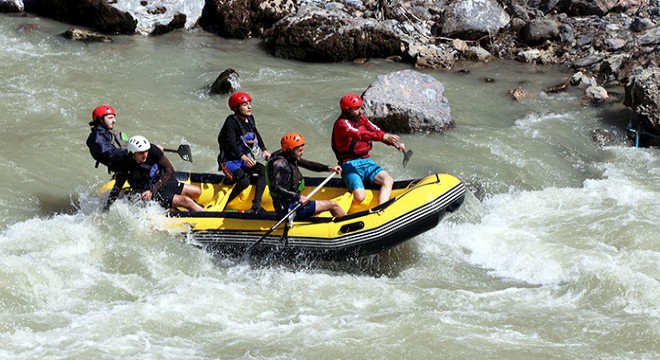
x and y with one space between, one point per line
192 191
385 181
186 202
359 195
328 205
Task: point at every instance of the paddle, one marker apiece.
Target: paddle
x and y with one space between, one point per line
406 155
249 249
183 151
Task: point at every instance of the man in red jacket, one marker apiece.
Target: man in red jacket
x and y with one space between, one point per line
352 136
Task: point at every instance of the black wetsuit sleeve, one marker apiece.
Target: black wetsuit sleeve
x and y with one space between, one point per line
280 177
313 165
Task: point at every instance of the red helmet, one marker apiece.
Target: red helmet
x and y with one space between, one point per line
100 111
349 101
291 141
238 98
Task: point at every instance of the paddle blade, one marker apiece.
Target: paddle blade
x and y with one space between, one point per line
406 157
184 152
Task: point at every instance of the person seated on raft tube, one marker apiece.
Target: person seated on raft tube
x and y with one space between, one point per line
286 182
106 146
240 144
352 135
150 173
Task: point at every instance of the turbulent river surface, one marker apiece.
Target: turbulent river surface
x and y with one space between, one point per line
554 254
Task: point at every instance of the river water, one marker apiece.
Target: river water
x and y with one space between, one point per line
554 254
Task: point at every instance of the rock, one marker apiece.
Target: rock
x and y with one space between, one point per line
529 56
582 80
643 96
566 33
613 44
519 94
408 101
590 7
226 83
650 37
244 18
98 15
557 88
434 57
594 95
320 35
9 6
640 24
473 19
84 35
538 31
122 17
477 53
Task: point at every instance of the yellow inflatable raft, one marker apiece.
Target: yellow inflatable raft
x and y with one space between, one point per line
415 206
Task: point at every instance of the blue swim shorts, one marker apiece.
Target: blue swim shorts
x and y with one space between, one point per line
304 212
355 172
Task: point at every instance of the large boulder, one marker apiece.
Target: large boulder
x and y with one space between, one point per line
11 6
95 14
473 19
146 17
408 101
590 7
643 96
243 18
332 35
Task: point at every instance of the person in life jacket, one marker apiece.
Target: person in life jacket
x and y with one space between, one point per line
150 174
240 147
286 182
352 137
105 145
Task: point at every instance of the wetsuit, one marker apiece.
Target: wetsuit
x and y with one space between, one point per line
106 147
231 143
155 174
286 183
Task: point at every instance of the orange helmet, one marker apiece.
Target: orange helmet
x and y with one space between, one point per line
100 111
291 141
238 98
349 101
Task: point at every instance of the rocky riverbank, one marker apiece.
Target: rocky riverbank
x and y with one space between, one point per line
606 42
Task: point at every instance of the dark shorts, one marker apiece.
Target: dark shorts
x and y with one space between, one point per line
165 195
304 212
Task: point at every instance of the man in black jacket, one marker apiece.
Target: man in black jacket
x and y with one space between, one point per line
150 174
105 146
286 182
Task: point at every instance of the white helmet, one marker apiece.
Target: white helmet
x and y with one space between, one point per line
138 144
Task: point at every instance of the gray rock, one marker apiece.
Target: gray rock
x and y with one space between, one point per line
433 57
566 33
226 83
538 31
650 37
9 6
643 96
472 19
590 7
84 35
640 24
408 102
